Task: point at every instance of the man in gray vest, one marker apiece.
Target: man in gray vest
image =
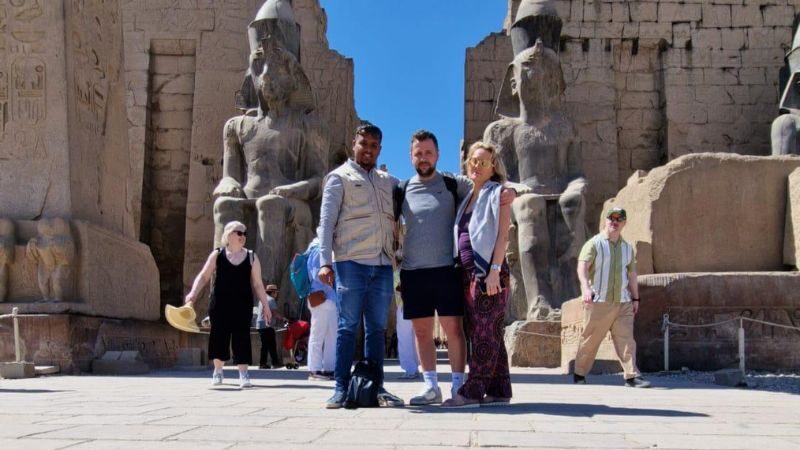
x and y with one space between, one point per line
357 239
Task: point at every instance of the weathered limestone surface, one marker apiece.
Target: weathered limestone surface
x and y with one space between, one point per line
791 238
696 298
72 341
571 328
709 213
109 276
534 343
34 150
651 80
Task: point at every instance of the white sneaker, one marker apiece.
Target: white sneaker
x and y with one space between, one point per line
216 379
427 396
244 380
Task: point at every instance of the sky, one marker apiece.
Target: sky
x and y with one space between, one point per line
409 67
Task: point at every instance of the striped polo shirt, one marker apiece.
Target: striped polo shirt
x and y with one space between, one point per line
609 265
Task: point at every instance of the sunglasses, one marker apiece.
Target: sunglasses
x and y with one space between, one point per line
239 233
617 219
482 163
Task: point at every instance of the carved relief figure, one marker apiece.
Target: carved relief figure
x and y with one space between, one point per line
539 146
274 155
54 252
7 241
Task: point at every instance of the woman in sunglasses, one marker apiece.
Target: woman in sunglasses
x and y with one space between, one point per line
481 235
236 275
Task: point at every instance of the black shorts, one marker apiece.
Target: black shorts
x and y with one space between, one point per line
425 291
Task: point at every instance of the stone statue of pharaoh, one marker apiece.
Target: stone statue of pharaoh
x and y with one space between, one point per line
786 127
275 154
539 146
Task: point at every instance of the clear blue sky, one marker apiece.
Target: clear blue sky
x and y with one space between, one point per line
409 66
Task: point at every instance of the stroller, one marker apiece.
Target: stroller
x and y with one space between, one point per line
295 341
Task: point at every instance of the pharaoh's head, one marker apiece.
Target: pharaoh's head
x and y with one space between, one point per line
534 81
274 75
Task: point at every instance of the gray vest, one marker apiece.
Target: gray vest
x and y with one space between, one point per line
365 226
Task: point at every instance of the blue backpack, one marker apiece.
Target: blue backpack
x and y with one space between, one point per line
298 273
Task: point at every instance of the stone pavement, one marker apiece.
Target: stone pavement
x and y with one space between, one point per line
179 410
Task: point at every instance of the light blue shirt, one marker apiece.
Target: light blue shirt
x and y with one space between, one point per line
313 273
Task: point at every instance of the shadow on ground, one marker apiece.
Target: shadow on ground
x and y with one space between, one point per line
563 409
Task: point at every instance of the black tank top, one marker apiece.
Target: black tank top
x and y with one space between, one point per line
232 289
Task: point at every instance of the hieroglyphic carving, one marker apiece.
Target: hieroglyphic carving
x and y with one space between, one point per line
4 111
28 84
91 47
23 80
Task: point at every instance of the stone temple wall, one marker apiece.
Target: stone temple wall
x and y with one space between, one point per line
183 63
651 80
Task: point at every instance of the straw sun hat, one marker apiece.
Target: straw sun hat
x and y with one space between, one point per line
182 318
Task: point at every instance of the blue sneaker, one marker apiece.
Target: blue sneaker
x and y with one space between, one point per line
336 401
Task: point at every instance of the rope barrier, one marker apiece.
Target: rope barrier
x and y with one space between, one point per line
538 334
9 316
665 324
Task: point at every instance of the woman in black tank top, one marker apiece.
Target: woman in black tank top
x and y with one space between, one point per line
236 275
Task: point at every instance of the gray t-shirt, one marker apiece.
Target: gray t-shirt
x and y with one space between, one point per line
429 213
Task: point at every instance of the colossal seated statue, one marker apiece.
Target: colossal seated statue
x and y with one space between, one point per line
275 154
786 127
539 146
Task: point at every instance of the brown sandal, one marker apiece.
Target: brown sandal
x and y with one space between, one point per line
460 402
490 400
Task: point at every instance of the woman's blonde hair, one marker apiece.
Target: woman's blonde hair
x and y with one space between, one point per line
230 227
500 175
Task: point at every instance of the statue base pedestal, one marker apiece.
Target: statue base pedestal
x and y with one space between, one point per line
534 343
571 330
72 341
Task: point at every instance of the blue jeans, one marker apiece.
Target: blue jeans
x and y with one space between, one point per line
364 291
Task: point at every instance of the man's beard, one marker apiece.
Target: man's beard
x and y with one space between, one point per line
426 173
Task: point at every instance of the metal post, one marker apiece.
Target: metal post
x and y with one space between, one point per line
666 343
17 350
741 345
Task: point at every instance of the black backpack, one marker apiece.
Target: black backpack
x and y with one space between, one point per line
364 385
400 193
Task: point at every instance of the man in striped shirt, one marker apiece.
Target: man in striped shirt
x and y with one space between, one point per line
607 272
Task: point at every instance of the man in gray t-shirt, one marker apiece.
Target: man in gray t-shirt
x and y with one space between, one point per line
429 281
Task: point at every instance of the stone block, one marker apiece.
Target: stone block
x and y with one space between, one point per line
716 16
679 12
534 343
778 15
729 377
791 240
644 11
189 357
126 362
571 329
702 186
746 16
16 370
704 298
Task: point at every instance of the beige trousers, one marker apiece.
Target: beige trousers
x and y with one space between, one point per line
599 319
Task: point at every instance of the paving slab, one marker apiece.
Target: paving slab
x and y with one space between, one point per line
181 410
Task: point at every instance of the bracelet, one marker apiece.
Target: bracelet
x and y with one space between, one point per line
495 267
